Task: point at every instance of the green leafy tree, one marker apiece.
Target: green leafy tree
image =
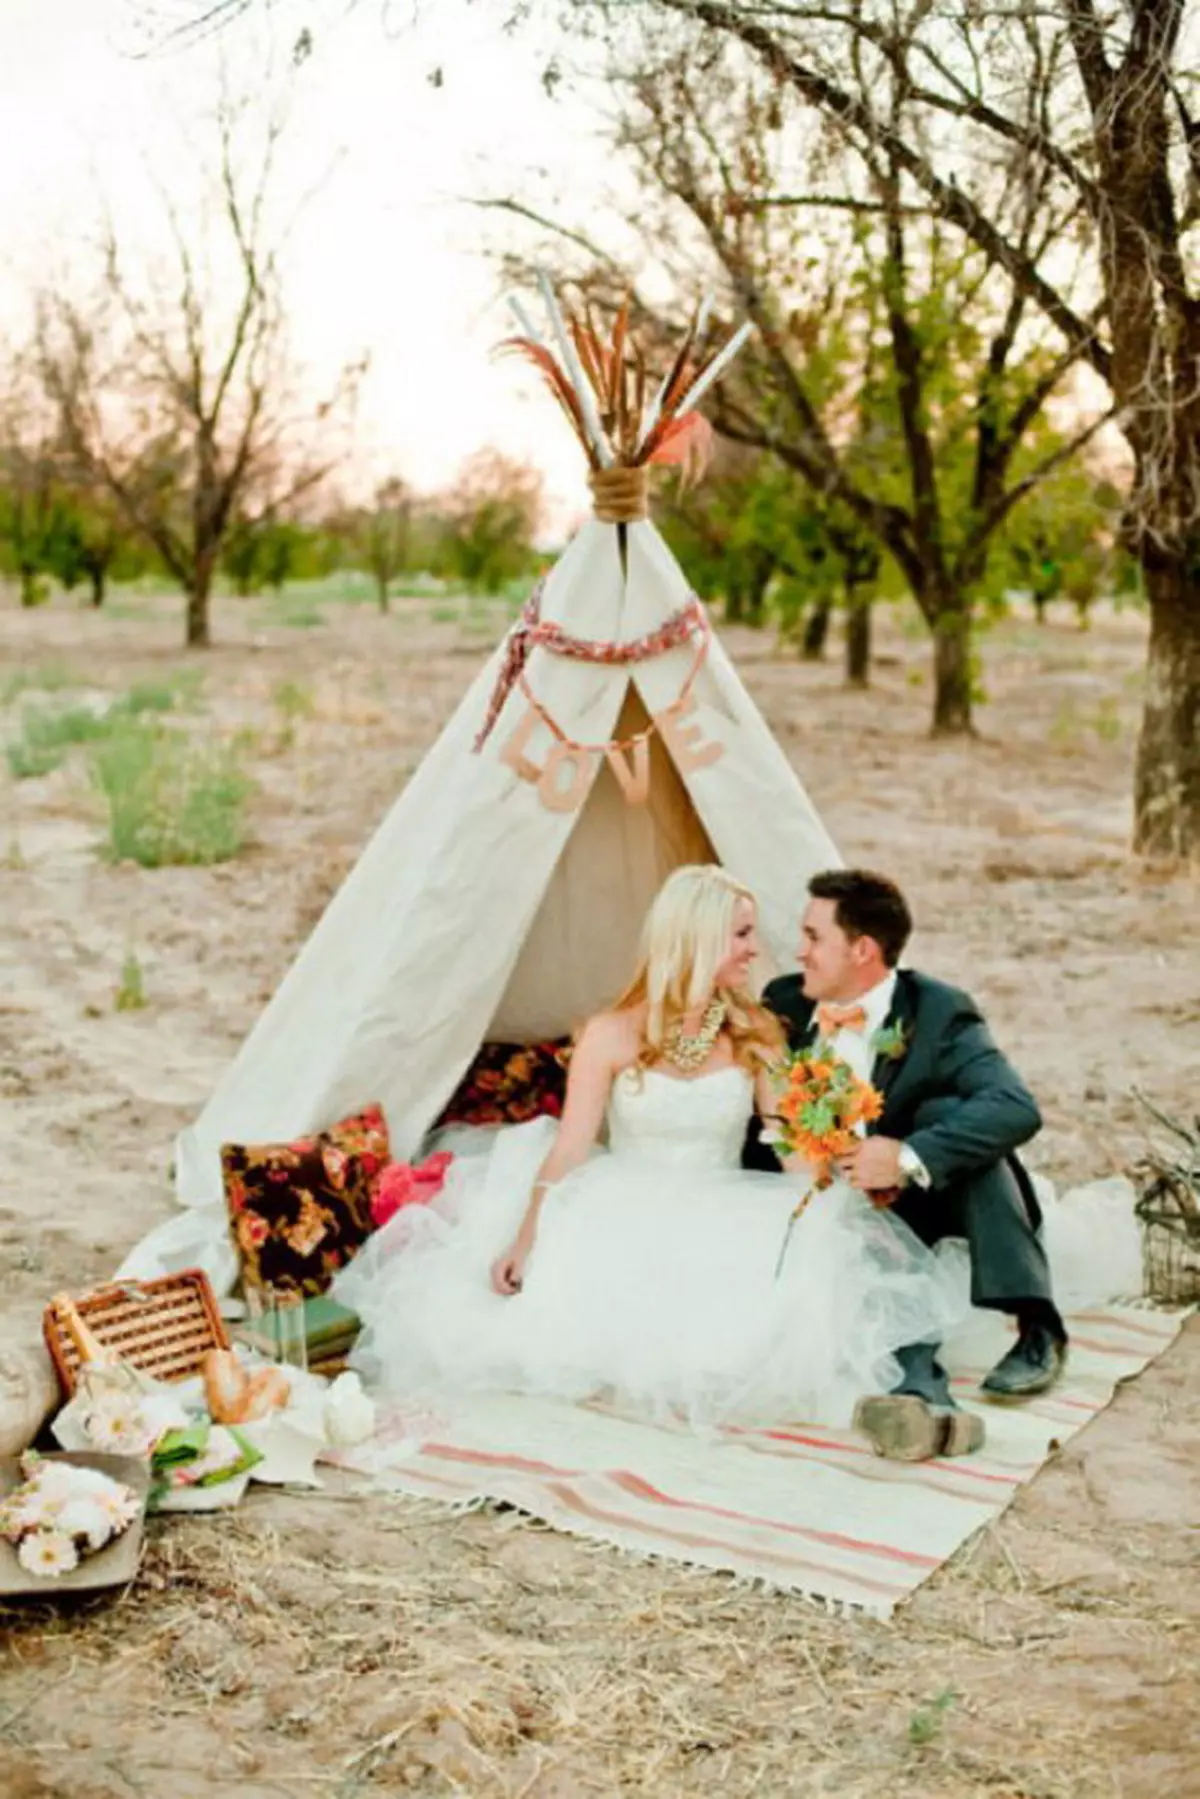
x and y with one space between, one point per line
95 544
382 536
897 370
755 533
489 521
33 518
1065 543
33 510
1091 113
270 552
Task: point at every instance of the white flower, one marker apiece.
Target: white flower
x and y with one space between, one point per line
349 1412
121 1507
91 1519
90 1480
51 1480
47 1552
119 1427
39 1512
64 1500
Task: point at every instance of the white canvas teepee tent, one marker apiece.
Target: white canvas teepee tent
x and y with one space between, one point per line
503 894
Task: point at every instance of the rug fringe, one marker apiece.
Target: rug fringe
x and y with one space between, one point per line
845 1609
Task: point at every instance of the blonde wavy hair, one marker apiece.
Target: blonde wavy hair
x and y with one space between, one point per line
685 939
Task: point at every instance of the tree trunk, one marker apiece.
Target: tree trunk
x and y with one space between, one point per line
756 600
1167 778
381 592
858 634
29 586
97 575
952 672
816 630
735 603
198 634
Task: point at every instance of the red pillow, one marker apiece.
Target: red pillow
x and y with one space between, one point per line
403 1184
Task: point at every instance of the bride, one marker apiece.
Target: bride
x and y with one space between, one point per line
648 1269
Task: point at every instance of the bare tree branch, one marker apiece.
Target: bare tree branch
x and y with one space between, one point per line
950 201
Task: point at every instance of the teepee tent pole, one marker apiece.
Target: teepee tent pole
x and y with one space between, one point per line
571 361
653 411
528 328
716 368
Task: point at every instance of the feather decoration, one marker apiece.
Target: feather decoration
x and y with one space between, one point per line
591 357
686 443
600 380
596 338
616 371
543 360
673 385
600 451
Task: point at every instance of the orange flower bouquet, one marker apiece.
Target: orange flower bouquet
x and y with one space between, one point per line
820 1107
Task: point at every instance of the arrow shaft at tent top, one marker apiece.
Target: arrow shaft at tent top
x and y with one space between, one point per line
575 371
716 367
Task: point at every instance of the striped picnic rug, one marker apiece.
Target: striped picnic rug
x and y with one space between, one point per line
800 1508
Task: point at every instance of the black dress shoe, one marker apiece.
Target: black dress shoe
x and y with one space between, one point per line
1034 1363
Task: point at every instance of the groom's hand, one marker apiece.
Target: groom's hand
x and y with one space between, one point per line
873 1166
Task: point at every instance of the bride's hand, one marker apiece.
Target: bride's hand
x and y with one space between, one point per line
508 1270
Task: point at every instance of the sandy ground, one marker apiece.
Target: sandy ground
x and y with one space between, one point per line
334 1646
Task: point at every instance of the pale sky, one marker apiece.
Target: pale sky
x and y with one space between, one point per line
386 257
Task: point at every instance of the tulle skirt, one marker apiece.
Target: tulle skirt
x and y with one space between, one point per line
657 1285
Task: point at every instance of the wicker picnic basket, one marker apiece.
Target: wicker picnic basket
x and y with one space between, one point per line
163 1327
1168 1207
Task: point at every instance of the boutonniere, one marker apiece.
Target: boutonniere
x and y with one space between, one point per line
891 1044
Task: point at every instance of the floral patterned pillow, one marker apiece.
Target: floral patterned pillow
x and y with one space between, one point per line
299 1211
508 1083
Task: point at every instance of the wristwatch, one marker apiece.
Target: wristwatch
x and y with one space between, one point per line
912 1167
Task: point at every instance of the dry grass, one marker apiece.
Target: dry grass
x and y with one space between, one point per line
336 1646
345 1645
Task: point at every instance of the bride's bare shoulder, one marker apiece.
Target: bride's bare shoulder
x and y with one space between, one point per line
615 1036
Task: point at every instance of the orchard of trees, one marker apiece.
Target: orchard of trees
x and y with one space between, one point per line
967 236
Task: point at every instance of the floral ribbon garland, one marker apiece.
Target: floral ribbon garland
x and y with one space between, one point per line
532 632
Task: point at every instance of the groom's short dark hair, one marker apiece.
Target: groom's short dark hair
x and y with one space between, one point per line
867 905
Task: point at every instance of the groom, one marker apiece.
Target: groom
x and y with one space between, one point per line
942 1155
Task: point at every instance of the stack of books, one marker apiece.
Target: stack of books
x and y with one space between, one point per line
329 1333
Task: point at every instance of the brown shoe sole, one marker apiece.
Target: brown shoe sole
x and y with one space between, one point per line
904 1429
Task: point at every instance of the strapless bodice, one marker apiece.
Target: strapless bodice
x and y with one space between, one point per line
688 1123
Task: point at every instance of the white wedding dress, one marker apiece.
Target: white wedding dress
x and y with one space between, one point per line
653 1279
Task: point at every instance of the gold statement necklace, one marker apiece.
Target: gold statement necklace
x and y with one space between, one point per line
690 1053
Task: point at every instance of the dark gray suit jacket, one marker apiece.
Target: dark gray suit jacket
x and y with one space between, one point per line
952 1095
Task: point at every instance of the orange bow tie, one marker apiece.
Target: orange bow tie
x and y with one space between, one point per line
832 1019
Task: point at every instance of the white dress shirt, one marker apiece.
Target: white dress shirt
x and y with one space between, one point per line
856 1049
